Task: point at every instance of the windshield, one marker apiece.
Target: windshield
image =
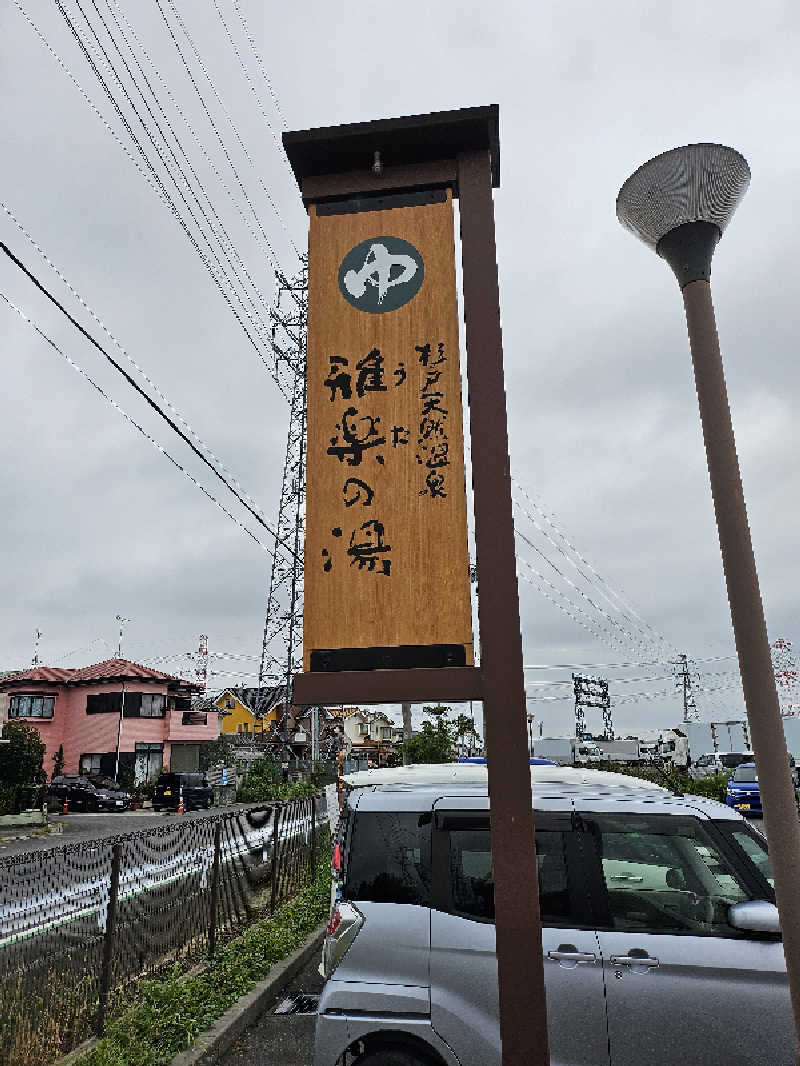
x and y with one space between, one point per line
745 773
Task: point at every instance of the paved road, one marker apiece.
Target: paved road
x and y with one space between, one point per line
79 827
280 1039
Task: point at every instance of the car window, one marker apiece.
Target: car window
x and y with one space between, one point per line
729 761
389 858
168 780
754 848
472 881
665 875
745 773
704 760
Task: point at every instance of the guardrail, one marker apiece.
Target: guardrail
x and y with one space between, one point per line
81 924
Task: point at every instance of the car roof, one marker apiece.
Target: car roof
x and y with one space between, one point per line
553 788
476 774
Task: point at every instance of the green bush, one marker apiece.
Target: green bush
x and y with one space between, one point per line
170 1013
263 783
714 787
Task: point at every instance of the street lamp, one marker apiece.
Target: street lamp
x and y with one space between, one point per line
679 203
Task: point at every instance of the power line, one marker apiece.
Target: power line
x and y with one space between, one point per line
216 238
148 399
596 631
593 625
601 581
201 148
132 422
210 117
643 640
156 179
636 641
201 443
259 61
261 110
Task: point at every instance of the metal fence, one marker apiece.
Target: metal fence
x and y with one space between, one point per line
80 924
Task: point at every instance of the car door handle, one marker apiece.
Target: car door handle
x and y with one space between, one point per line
633 960
573 956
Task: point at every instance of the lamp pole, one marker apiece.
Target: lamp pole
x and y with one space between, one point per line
680 203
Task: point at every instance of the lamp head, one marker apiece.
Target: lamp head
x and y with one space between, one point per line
680 203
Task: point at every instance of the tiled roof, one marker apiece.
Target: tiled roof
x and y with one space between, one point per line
270 697
41 673
110 669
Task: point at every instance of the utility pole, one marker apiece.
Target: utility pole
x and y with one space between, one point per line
201 662
683 680
314 736
406 731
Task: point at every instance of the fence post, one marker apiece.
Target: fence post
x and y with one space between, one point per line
108 940
313 836
212 920
276 820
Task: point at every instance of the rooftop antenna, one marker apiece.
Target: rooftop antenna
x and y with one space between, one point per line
36 648
122 622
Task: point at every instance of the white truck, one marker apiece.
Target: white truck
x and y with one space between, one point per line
566 751
628 751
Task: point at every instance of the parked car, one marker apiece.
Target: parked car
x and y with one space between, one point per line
660 933
743 793
192 787
82 795
718 762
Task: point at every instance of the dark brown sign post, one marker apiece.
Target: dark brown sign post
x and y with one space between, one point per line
386 520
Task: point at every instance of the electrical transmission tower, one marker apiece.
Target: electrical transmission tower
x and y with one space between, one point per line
785 667
282 643
683 680
592 692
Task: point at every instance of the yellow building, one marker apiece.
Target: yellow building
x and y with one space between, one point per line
237 709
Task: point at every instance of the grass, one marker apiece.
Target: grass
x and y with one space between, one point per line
170 1013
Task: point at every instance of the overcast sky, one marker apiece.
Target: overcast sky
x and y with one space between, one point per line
604 428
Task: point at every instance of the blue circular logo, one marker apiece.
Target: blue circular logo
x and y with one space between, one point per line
381 274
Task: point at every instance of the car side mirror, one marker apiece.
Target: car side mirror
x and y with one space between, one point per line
755 916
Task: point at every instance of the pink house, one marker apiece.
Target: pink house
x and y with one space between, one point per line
87 709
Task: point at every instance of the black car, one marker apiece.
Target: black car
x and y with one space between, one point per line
82 795
194 789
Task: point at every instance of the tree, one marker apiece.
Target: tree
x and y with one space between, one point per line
21 760
434 744
465 727
219 752
58 762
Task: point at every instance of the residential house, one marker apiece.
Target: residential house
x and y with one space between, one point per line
249 710
91 710
371 734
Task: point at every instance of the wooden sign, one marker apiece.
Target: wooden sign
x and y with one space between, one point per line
386 562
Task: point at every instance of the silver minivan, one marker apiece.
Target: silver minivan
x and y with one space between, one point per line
660 935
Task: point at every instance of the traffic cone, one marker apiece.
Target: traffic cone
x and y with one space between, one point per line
180 803
65 808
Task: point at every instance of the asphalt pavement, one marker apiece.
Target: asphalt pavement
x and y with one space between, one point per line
281 1039
65 829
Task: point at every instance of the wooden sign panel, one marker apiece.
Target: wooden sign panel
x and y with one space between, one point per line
386 562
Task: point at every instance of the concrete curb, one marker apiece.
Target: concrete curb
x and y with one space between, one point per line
214 1042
